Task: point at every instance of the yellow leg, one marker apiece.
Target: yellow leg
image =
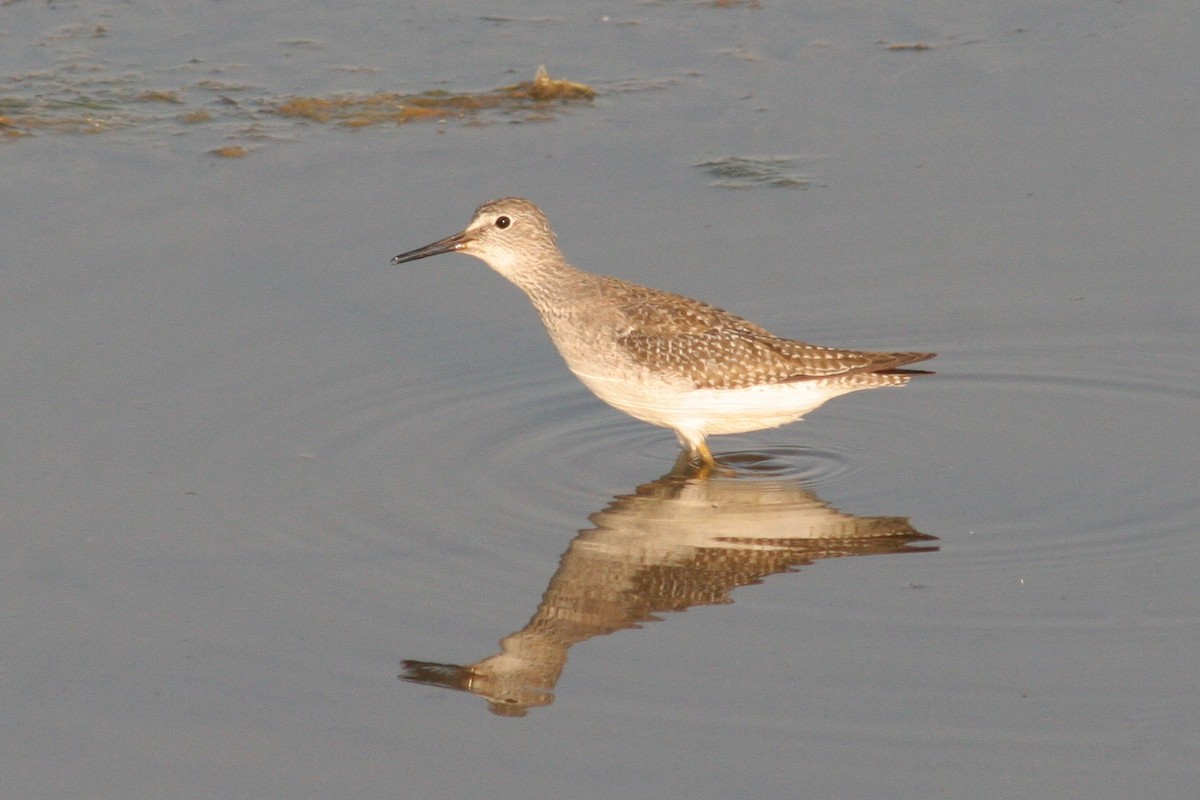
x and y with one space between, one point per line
695 451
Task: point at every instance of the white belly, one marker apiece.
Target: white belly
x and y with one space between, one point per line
696 413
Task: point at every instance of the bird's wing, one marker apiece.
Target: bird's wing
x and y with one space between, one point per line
731 359
713 348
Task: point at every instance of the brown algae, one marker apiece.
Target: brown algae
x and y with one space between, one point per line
358 111
230 151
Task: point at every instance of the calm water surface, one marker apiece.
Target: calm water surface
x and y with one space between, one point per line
280 520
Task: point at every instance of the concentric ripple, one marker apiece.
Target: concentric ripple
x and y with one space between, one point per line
1017 464
1057 454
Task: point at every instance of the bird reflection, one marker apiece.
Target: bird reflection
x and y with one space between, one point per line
687 539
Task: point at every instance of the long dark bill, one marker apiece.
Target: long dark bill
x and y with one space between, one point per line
448 245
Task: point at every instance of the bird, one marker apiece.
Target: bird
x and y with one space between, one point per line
661 357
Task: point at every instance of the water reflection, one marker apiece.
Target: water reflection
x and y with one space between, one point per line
686 539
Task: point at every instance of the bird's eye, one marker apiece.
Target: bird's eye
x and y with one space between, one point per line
503 222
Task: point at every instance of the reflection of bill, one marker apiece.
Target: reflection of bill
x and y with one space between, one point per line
680 541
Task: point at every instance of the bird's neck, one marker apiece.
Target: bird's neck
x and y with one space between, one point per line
551 283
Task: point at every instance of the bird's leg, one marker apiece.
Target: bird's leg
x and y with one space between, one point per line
696 450
690 464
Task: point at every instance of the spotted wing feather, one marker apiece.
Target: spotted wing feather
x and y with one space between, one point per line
714 349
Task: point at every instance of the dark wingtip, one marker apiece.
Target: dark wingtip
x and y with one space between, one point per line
908 358
905 372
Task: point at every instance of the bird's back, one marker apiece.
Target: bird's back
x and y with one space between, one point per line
670 334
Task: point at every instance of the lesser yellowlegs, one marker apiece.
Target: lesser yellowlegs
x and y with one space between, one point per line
661 357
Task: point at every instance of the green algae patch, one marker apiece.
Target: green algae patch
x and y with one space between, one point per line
746 172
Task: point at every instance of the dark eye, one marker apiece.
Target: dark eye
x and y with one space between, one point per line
503 222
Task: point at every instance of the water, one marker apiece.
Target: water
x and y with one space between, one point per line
250 469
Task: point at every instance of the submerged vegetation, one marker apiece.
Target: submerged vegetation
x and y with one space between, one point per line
356 111
745 172
91 100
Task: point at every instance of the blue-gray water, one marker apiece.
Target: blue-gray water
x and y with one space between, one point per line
247 468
